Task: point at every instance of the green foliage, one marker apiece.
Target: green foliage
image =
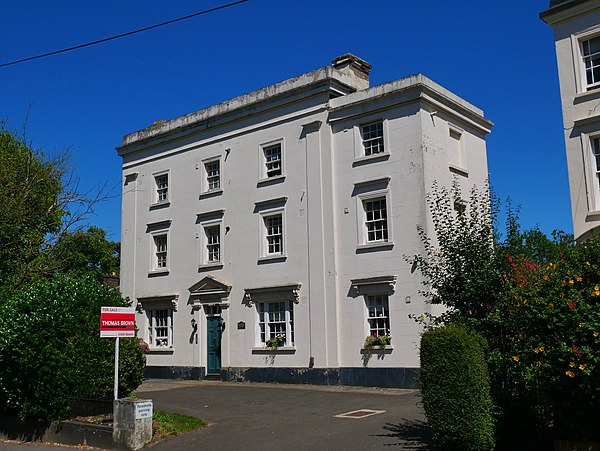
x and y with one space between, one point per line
458 265
30 189
379 340
549 361
534 299
50 348
84 253
169 423
275 342
456 389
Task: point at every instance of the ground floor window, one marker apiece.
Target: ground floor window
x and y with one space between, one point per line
378 316
276 322
160 328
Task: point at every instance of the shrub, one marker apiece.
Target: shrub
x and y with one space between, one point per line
456 389
50 348
550 360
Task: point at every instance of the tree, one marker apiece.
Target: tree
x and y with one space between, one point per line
459 264
30 188
84 253
41 204
533 298
50 348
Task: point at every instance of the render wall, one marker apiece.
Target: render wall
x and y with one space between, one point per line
581 117
325 177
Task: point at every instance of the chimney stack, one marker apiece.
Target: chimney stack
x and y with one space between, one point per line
354 67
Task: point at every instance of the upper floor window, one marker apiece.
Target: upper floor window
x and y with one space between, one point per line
273 160
274 234
160 252
161 182
591 60
213 175
372 138
376 219
213 243
595 144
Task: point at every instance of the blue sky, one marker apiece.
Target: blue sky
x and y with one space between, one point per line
496 55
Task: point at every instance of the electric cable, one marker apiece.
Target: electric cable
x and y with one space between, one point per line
122 35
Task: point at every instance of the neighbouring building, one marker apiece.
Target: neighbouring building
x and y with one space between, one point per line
264 238
576 25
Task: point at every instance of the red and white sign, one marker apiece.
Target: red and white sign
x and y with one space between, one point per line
117 322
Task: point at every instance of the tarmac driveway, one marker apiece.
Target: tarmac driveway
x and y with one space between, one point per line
249 416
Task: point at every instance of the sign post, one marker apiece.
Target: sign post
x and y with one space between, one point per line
117 322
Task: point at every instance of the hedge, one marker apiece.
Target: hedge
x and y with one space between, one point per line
456 389
50 348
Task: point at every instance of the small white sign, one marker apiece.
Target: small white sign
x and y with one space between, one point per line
143 410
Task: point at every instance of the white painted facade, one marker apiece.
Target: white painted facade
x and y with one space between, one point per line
325 267
576 25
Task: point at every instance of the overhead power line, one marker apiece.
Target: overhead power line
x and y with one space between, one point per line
129 33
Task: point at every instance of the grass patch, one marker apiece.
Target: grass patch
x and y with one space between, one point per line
168 423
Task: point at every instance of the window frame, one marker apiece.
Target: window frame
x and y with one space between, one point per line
159 230
264 163
156 194
205 182
372 325
264 236
577 41
362 217
207 220
204 243
592 172
372 224
273 234
582 39
264 327
155 267
459 166
367 151
151 328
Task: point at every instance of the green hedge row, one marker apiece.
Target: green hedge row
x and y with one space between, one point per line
50 348
456 389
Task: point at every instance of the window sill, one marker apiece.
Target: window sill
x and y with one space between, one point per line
458 170
593 215
271 180
280 350
213 193
590 94
161 351
160 205
380 246
214 265
158 273
377 157
378 350
272 259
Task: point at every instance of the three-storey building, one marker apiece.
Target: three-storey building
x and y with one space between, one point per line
264 238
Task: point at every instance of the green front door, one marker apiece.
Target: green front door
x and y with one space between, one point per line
213 327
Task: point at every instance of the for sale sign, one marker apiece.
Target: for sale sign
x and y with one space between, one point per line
117 322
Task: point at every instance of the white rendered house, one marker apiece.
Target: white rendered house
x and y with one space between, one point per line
263 238
576 25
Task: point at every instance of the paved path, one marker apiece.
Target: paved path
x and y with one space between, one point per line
246 416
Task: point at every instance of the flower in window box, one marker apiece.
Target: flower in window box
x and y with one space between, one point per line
276 341
377 340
